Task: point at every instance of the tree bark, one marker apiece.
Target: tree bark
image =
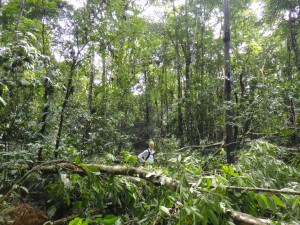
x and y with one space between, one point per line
22 6
48 88
229 136
147 103
295 47
294 35
179 91
88 126
240 218
188 60
64 106
103 82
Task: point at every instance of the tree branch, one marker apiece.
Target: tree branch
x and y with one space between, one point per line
282 191
201 146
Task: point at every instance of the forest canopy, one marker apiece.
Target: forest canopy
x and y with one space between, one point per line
85 85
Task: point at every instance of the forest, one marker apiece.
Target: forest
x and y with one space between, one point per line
86 85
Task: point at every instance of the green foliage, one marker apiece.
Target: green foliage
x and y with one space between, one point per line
107 220
133 80
202 197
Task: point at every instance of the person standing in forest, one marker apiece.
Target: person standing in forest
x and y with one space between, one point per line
148 154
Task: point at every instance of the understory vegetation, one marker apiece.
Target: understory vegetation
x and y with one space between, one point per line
263 183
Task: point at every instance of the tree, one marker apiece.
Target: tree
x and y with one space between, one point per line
229 137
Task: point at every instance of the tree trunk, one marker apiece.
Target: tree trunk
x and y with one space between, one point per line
293 32
187 90
22 6
295 47
229 136
188 113
147 103
48 89
103 83
179 91
88 127
64 106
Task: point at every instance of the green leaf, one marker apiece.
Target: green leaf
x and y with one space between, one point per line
271 204
76 221
296 203
260 201
2 101
77 159
99 220
110 219
87 221
278 201
25 189
165 210
188 211
212 217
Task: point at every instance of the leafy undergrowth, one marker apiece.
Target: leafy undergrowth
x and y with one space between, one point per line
202 197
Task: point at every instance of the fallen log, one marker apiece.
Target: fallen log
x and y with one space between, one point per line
157 180
240 218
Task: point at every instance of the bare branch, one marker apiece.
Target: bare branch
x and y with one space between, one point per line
218 144
282 191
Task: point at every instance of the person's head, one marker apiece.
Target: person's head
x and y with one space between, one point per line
151 144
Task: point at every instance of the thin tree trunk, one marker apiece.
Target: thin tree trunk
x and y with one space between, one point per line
48 89
188 109
162 101
88 127
229 136
188 60
103 84
179 91
64 106
295 47
147 109
293 32
22 6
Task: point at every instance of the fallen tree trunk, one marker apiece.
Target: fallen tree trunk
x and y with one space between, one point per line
116 170
240 218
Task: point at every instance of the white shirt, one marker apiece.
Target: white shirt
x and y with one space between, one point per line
142 157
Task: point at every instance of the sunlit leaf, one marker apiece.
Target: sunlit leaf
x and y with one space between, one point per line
110 219
2 101
76 221
278 201
165 210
